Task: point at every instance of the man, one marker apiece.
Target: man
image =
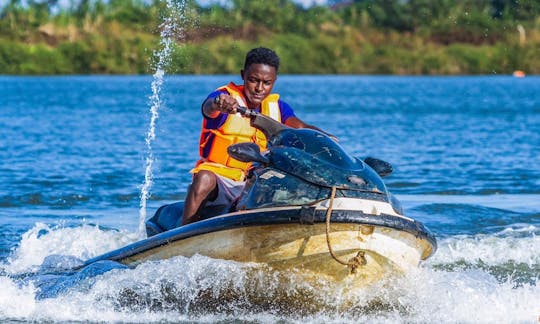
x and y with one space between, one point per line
219 179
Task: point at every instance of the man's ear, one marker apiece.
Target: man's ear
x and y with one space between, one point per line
242 74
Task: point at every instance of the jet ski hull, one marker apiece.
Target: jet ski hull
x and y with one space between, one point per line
294 238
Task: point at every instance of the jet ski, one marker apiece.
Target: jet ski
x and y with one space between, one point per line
307 205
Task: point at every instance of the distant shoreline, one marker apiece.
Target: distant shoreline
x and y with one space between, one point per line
356 38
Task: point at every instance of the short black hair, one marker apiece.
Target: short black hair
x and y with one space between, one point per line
262 55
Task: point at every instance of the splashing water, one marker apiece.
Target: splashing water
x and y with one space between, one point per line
171 29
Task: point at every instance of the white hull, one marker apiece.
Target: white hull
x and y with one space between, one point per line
271 237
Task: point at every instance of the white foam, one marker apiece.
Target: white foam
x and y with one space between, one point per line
16 302
469 296
491 249
236 292
251 292
82 242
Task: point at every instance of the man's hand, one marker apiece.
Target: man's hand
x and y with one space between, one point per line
225 103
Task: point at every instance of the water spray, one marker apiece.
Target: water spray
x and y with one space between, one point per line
171 29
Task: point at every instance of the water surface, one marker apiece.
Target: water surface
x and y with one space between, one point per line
464 150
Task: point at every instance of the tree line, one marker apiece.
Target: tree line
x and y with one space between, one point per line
344 37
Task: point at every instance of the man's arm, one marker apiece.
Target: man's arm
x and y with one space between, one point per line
296 122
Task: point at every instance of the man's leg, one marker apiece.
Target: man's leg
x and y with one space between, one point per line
203 187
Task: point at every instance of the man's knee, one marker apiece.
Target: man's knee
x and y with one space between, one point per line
204 182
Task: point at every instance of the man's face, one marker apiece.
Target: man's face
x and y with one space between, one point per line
259 80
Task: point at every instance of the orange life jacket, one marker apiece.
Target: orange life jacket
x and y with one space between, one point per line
235 129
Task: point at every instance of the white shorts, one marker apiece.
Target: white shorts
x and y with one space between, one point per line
228 191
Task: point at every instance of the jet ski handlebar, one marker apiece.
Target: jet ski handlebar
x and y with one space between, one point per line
266 124
244 111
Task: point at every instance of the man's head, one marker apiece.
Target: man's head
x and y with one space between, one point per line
259 75
262 55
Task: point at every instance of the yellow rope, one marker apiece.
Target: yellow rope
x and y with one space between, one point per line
354 262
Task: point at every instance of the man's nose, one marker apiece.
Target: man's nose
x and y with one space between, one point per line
259 86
